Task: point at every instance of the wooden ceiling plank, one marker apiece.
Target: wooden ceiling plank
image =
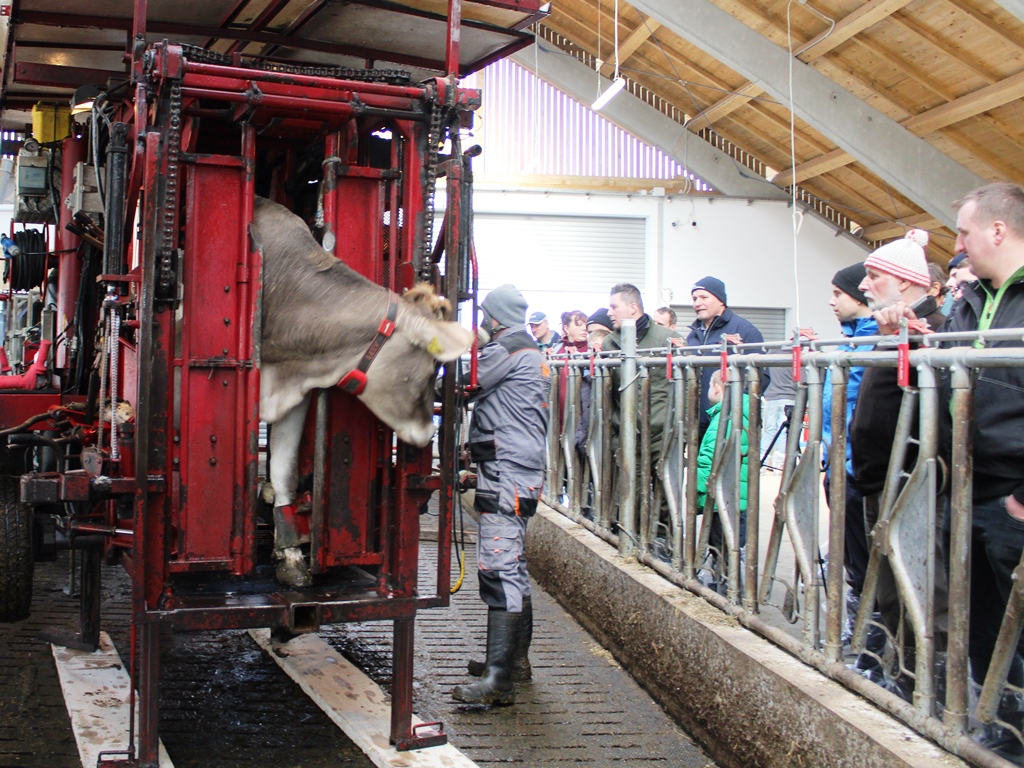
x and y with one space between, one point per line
943 46
866 90
866 16
889 229
909 70
852 25
994 27
996 169
564 22
955 111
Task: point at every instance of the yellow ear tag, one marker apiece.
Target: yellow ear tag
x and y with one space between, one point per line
435 347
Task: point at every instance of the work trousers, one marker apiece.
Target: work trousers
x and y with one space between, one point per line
501 560
997 540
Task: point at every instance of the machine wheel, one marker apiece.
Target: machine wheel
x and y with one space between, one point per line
15 552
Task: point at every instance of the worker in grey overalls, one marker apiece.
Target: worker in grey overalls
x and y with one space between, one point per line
507 444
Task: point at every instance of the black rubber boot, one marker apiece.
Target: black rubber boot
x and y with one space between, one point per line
521 669
1002 740
868 663
496 686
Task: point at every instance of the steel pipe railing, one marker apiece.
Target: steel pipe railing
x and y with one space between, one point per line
633 483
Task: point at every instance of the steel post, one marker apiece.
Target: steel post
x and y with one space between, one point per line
628 399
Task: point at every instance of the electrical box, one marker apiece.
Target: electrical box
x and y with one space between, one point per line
51 122
85 197
34 204
32 175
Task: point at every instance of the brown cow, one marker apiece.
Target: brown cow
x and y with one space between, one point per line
319 318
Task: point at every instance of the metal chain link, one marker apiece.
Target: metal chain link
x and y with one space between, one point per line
392 76
168 236
437 113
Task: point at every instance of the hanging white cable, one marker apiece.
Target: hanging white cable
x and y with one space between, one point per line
616 38
618 82
797 215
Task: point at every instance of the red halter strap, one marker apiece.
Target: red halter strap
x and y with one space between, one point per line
354 382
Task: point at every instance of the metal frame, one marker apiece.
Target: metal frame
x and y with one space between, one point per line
905 536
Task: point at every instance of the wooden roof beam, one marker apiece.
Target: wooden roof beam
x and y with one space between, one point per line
889 229
907 163
636 38
851 25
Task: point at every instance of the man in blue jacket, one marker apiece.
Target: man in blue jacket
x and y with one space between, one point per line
714 322
851 308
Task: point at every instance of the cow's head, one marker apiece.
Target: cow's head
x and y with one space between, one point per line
400 383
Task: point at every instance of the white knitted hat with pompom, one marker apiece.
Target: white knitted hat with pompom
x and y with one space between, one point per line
904 258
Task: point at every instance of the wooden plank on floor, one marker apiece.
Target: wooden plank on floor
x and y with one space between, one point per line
95 687
352 700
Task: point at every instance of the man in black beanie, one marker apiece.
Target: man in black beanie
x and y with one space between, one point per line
714 322
851 308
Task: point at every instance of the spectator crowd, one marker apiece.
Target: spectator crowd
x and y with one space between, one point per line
981 288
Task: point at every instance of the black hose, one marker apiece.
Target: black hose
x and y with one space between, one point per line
28 269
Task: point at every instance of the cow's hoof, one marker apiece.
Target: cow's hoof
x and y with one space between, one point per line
292 570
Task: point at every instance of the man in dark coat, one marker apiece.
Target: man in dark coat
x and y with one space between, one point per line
714 322
990 226
896 275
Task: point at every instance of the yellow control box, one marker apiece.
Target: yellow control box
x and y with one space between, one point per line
51 122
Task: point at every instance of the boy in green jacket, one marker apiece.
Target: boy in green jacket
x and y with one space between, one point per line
705 457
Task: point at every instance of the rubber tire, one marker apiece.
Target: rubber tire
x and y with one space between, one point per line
16 562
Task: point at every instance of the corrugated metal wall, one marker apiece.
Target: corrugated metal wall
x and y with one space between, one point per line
529 127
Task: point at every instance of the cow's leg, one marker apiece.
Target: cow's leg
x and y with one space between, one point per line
289 531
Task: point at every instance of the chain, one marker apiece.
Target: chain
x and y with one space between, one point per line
115 346
392 76
203 56
437 112
168 237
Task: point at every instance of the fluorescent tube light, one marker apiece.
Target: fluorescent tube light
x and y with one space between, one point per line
617 85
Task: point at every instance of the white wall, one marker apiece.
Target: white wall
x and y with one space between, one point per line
747 244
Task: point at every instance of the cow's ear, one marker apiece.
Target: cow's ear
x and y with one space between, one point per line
444 340
422 294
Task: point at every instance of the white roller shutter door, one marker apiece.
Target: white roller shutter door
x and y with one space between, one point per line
770 321
573 254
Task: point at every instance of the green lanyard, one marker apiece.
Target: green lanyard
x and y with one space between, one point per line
988 312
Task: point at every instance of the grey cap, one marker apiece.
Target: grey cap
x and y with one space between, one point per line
506 305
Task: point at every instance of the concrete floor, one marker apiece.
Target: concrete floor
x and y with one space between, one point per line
225 703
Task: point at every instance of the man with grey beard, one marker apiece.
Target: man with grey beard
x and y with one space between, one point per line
896 274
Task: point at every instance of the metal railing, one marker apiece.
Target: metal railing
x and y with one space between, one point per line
628 480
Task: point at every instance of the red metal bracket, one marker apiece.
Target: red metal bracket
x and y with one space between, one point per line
423 735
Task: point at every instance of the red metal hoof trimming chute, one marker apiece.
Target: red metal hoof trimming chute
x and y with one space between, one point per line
131 414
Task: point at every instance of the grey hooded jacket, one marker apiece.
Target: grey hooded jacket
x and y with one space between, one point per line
507 436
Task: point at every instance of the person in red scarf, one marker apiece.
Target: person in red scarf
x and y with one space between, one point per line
574 340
